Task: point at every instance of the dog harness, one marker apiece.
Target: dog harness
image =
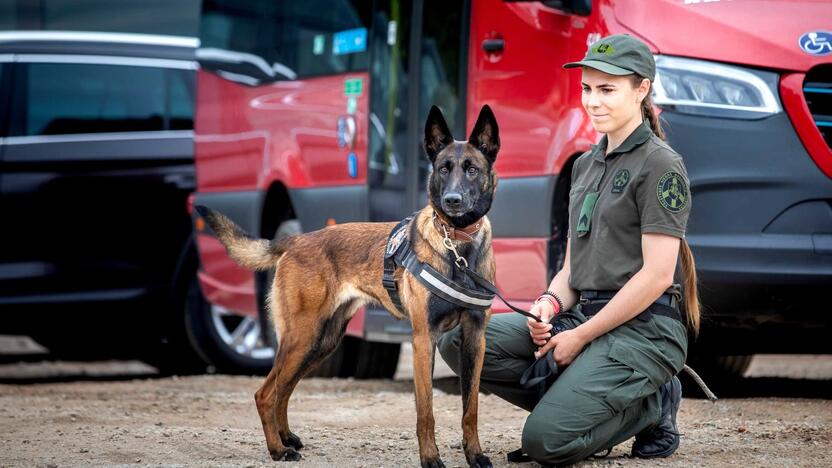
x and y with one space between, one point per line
399 253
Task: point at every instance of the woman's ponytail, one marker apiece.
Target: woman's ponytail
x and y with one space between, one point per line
691 292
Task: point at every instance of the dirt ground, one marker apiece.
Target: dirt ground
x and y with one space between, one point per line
212 421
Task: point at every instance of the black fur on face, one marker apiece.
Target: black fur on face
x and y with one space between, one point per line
461 186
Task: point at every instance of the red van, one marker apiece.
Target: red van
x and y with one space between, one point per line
311 113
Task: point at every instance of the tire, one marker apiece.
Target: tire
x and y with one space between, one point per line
341 363
733 366
376 360
230 342
360 359
720 373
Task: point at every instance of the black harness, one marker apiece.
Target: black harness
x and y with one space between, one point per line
399 254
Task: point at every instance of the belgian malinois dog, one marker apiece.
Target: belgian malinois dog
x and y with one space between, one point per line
323 277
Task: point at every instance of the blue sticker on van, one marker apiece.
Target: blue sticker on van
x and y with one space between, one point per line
816 43
352 165
350 41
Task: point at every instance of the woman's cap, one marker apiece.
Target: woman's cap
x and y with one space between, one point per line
619 54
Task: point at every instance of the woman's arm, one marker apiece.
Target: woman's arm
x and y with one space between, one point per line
660 252
544 309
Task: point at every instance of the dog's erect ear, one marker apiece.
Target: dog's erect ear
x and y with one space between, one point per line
437 134
486 136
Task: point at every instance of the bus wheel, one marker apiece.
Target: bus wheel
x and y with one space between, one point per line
376 360
231 342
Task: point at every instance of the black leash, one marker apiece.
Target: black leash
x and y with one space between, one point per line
485 284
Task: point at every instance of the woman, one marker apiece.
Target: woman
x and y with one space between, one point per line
628 213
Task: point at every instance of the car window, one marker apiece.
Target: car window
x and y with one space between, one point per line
177 18
65 98
4 96
181 99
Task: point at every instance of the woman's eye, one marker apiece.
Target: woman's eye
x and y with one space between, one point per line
443 170
472 171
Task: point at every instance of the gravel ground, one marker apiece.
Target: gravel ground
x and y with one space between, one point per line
211 421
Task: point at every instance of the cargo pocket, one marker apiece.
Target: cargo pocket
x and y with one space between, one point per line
641 382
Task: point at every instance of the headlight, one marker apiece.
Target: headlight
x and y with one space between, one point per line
707 88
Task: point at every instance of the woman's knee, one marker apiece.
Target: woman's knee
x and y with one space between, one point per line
545 441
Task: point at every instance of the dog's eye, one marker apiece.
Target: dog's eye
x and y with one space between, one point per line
443 170
472 171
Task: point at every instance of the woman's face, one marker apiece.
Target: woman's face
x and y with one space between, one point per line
611 101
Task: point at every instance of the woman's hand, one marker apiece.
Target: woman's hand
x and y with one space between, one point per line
539 331
568 344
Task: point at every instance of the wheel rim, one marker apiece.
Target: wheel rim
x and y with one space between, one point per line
240 333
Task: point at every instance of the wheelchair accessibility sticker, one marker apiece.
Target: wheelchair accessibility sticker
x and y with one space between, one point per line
817 43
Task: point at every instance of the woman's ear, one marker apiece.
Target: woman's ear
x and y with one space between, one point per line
643 89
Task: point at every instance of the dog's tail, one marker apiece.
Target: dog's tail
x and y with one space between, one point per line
248 252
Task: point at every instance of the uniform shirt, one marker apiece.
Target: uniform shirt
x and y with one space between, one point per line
642 186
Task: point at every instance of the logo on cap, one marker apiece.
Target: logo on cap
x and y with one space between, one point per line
605 49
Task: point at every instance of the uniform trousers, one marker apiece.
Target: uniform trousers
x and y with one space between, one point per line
606 395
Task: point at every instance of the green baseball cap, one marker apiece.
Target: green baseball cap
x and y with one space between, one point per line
619 54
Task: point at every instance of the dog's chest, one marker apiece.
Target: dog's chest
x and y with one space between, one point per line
442 314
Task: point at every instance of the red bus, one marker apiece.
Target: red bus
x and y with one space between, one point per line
311 113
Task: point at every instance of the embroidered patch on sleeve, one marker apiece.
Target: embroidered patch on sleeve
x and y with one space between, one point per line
672 192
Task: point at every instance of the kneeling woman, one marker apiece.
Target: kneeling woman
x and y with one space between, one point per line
628 212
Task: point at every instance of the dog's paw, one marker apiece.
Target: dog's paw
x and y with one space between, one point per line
292 441
480 461
433 463
289 454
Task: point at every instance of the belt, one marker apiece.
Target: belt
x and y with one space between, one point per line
666 305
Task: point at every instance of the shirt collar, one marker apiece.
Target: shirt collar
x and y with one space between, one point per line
637 137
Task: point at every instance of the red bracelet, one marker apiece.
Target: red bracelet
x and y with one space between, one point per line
550 300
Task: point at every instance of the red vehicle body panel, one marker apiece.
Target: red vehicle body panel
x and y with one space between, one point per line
248 138
542 122
727 31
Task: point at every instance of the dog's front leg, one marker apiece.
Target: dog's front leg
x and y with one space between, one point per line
472 352
423 347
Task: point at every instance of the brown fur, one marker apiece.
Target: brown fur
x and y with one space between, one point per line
323 277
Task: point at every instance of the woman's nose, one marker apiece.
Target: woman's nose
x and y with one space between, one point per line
593 100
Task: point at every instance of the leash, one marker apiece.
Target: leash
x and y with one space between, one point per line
462 264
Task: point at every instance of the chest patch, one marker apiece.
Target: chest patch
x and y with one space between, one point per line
672 192
620 180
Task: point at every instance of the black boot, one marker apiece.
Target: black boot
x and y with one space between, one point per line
662 439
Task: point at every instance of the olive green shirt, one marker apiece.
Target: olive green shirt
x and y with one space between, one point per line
642 187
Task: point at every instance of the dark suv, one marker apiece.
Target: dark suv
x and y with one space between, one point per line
96 165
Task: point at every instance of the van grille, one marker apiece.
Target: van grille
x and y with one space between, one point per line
817 89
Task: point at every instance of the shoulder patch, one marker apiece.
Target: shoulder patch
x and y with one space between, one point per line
672 192
620 180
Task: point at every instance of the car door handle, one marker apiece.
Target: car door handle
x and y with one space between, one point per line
493 46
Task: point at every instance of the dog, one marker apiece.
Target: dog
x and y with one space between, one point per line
323 277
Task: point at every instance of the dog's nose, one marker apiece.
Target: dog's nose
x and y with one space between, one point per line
453 199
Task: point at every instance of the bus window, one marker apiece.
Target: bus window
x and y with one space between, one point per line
265 40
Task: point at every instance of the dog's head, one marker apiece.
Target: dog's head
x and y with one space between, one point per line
463 181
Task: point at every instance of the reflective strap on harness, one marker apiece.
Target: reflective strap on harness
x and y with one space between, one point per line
399 253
